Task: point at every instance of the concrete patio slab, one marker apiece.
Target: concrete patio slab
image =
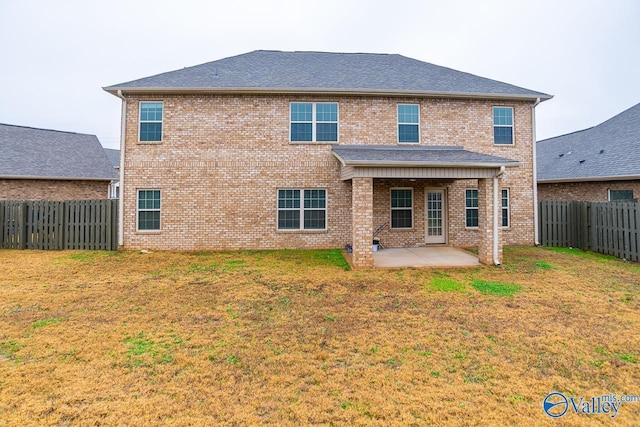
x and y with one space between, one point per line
427 256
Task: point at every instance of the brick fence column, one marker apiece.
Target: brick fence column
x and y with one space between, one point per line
485 222
362 218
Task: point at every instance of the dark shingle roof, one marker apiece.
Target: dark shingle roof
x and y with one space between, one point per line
41 153
425 156
114 156
276 71
608 151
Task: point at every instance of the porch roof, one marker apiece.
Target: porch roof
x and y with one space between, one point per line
384 161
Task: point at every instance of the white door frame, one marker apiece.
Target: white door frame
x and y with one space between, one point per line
436 239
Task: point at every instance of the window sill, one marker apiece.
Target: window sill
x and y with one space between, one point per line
148 232
402 229
325 231
472 228
408 143
150 142
314 143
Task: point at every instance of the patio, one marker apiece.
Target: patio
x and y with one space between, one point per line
426 256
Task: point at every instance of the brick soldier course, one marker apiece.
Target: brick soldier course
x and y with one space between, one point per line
226 151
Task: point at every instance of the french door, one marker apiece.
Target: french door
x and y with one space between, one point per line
436 221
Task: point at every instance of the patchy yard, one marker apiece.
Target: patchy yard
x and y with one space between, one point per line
294 338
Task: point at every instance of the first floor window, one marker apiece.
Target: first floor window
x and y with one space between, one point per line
503 125
314 121
620 195
151 121
471 207
302 209
148 210
402 208
505 207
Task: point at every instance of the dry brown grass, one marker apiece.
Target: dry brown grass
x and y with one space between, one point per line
291 338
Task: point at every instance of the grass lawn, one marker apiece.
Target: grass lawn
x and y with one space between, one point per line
295 338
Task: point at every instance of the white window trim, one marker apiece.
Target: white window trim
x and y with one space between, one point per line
401 209
467 208
138 210
314 122
302 209
618 189
405 123
512 126
161 121
507 208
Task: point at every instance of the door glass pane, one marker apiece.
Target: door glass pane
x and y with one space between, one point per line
434 214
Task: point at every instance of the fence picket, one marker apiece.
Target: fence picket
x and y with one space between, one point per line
49 225
611 228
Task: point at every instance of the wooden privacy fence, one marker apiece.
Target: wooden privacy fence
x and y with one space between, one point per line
611 228
71 224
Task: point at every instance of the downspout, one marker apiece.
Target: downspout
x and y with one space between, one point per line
536 230
496 212
122 145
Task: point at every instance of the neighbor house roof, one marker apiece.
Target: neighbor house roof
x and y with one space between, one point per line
265 71
50 154
114 156
423 156
608 151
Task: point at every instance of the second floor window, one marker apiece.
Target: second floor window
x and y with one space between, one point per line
151 121
408 123
314 121
503 125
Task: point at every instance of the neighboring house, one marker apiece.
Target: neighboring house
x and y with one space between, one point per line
275 149
598 164
42 164
114 158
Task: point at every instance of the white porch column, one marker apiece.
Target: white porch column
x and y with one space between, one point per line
487 222
362 222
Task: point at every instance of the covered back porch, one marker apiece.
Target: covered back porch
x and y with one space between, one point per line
432 178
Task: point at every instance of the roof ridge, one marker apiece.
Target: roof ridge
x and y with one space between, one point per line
324 52
566 134
618 115
46 130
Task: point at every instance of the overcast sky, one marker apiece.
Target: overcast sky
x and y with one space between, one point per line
56 55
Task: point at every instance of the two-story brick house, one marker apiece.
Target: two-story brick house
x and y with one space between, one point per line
277 149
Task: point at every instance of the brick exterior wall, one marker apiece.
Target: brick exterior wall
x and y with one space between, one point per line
586 191
223 158
41 189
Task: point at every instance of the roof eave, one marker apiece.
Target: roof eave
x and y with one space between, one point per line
324 91
418 164
589 179
57 178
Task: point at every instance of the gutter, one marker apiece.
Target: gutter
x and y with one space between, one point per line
122 145
430 164
496 211
55 178
117 91
536 230
591 179
396 163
